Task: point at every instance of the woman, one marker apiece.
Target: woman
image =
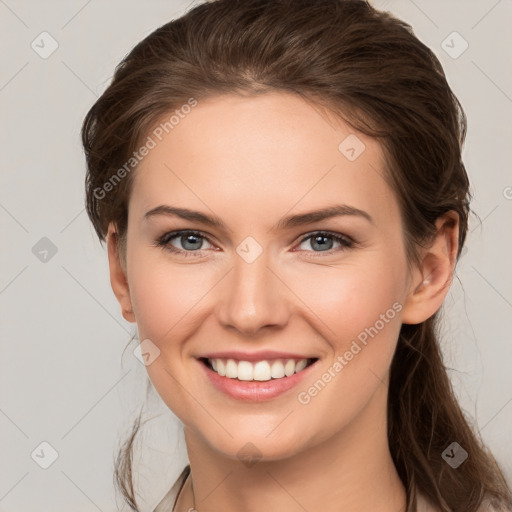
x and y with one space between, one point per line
310 153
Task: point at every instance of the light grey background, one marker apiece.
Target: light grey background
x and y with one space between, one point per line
62 381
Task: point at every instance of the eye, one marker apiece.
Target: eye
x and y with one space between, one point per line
324 241
190 241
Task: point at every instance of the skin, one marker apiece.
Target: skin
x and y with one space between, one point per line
250 161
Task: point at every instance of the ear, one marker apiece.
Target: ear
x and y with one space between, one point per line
430 283
118 276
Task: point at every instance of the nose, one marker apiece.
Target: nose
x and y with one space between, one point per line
254 298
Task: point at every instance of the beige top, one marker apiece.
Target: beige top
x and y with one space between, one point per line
169 500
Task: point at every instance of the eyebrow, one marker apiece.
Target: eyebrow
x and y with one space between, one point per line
288 222
325 213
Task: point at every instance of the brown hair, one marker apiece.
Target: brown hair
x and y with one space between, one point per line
368 68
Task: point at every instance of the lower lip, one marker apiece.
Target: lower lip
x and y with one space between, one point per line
255 391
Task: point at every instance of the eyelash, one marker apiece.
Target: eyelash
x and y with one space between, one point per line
163 242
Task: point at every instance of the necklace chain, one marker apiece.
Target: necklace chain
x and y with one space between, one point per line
181 492
193 494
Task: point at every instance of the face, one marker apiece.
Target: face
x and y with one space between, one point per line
263 278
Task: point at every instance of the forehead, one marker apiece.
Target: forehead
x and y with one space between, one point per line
263 156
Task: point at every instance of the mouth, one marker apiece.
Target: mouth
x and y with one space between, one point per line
258 371
259 380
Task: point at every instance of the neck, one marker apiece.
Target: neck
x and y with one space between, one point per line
351 470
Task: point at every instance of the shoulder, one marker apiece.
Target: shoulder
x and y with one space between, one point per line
166 504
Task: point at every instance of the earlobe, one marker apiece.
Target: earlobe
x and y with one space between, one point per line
431 282
118 275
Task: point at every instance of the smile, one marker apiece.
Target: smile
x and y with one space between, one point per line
259 370
256 381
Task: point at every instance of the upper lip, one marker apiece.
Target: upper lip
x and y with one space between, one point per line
256 356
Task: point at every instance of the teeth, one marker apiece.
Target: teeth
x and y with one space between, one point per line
261 370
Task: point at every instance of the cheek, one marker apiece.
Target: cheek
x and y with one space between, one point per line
350 298
163 295
357 309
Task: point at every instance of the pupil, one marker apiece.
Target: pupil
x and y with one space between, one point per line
322 244
191 239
